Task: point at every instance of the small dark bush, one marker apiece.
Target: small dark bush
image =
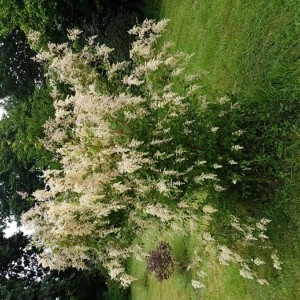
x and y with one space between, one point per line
160 261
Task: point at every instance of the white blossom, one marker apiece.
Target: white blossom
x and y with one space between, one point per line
208 209
276 262
217 166
258 261
236 148
262 281
73 34
246 273
197 284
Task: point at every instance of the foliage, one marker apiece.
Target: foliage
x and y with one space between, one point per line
52 18
34 14
21 276
160 261
16 262
117 177
19 73
27 105
19 269
22 158
64 286
31 116
114 292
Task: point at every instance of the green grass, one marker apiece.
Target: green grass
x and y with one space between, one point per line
221 283
147 286
240 44
251 48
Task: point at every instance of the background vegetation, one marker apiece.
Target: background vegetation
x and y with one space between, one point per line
27 104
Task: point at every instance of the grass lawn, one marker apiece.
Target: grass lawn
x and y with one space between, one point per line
251 48
221 283
242 45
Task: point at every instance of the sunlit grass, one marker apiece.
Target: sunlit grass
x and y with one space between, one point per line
240 44
178 286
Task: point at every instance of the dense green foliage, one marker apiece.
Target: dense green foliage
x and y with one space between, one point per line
19 270
53 17
251 49
21 155
19 73
25 98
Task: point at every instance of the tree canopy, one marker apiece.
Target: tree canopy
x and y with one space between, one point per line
26 100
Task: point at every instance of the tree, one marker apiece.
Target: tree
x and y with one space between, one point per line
51 19
19 73
22 157
22 277
28 105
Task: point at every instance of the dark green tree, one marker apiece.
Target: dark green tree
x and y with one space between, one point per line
28 105
52 18
21 155
19 73
21 276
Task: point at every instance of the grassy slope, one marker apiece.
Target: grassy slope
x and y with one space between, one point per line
251 47
222 283
240 44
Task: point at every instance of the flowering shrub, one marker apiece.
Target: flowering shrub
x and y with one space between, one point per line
132 138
